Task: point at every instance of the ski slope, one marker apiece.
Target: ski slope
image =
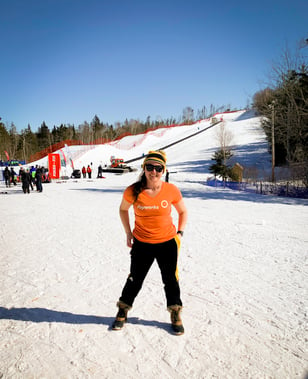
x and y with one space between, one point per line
242 267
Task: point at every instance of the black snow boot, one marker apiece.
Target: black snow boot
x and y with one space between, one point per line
121 316
176 321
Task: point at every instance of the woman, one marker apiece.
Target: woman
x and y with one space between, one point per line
154 236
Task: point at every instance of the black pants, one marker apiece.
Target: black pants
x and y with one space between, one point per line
39 186
25 187
142 257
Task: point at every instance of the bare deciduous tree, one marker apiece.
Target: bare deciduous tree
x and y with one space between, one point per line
188 115
224 137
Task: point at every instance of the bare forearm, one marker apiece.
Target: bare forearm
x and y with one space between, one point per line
182 212
125 221
182 220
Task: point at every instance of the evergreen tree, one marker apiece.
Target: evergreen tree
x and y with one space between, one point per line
43 136
221 168
14 141
4 141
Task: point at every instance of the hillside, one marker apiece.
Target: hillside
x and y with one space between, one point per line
248 144
242 267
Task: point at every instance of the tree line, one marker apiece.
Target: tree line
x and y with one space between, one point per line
24 144
284 105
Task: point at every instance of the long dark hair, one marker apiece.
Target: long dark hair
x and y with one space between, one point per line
139 186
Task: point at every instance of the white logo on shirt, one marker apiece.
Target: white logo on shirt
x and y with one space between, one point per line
147 207
164 204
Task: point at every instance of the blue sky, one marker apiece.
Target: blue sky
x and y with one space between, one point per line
65 61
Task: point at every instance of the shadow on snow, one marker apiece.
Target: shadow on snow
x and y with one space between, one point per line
107 190
39 315
252 155
227 194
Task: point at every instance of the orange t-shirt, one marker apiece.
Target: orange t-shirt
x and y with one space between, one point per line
153 221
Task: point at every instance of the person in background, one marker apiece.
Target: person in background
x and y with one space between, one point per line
38 179
13 176
7 177
19 173
167 176
32 174
100 171
154 237
26 180
89 171
84 172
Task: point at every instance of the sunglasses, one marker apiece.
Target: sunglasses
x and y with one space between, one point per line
151 167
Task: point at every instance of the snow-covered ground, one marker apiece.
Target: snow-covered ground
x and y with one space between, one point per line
243 273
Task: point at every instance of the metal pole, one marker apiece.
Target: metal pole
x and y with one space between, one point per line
273 142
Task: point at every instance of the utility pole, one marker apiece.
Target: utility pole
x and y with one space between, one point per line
272 106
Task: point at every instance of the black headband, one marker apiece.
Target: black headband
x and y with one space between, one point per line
155 155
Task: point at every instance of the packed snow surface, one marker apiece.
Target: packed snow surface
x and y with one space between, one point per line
242 265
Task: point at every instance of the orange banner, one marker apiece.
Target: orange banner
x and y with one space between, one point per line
54 165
